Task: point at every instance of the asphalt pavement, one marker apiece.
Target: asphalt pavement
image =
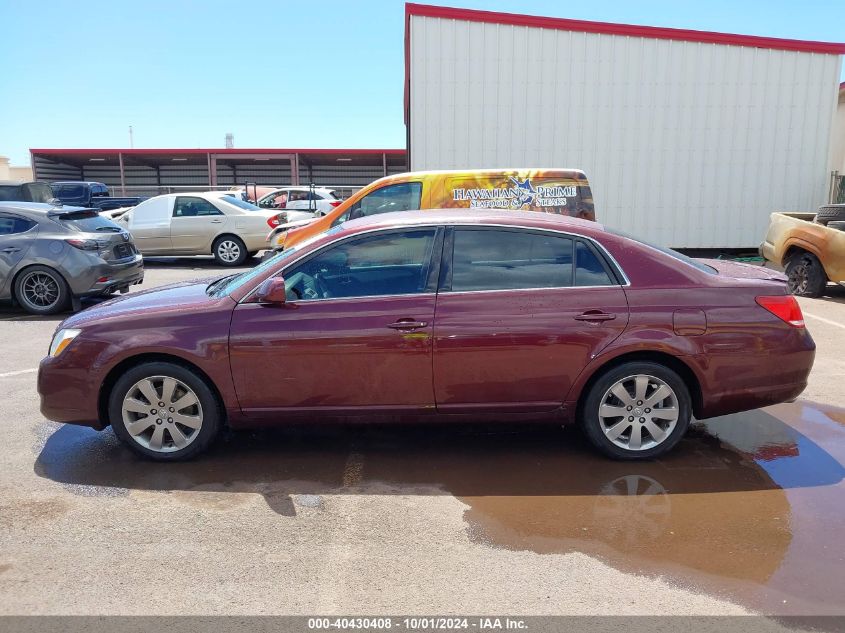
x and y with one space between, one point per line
747 515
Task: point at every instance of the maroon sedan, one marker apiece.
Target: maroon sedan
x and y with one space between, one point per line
437 316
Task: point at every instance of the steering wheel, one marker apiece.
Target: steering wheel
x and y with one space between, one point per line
321 287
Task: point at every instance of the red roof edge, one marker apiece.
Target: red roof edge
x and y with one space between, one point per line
607 28
245 150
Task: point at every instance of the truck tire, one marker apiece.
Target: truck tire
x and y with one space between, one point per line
805 275
830 213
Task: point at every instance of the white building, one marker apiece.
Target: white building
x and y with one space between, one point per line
689 138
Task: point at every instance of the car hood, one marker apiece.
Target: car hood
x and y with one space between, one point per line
740 270
186 296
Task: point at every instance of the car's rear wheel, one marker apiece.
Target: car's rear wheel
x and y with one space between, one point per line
638 410
164 411
42 290
805 275
229 250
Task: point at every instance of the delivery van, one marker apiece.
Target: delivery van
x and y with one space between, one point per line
562 191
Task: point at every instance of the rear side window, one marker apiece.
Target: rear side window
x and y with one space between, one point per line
507 260
589 270
11 225
191 207
69 191
403 196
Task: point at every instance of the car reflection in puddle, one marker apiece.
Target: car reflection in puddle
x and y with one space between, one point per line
749 506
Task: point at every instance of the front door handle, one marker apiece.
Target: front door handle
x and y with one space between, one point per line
407 324
11 249
217 221
595 316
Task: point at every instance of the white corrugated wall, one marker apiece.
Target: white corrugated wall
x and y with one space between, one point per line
687 144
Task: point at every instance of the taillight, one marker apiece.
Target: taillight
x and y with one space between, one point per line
83 245
276 220
336 203
784 307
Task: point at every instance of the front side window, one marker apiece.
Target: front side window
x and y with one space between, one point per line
485 259
191 207
395 263
404 196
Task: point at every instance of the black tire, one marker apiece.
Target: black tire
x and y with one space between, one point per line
211 412
805 275
593 427
839 225
53 282
830 213
229 250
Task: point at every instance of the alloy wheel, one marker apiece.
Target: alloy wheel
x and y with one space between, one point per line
40 290
798 278
638 412
162 414
229 251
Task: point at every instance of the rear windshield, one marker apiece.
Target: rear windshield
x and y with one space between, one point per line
86 221
668 251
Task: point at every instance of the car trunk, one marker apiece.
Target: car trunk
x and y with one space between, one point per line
740 270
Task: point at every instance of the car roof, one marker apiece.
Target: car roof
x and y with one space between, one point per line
526 219
35 207
77 182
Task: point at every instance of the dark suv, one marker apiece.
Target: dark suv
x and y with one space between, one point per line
26 191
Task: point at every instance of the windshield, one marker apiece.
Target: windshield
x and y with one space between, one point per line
227 285
230 198
667 251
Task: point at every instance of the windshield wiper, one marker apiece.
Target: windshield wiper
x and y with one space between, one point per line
217 282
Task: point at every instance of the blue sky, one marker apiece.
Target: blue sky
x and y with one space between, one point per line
276 73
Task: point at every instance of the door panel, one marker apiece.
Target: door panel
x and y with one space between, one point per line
16 237
196 222
519 349
333 355
149 224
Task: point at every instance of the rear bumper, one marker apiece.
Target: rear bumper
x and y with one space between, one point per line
736 383
106 277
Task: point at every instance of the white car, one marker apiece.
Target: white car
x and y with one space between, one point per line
318 203
203 223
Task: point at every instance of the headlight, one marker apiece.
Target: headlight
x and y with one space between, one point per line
61 340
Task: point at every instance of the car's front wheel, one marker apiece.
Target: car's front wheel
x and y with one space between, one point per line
229 250
41 290
164 411
638 410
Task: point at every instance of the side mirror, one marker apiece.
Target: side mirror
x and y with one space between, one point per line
272 291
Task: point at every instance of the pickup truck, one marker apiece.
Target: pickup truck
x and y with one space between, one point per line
810 247
91 195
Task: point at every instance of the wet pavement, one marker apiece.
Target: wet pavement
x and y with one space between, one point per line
748 506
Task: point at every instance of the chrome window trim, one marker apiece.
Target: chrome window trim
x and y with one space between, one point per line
435 226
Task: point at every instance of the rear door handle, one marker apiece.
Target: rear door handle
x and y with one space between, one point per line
11 249
217 221
407 324
595 316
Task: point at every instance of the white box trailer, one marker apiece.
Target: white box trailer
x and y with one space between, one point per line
690 139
